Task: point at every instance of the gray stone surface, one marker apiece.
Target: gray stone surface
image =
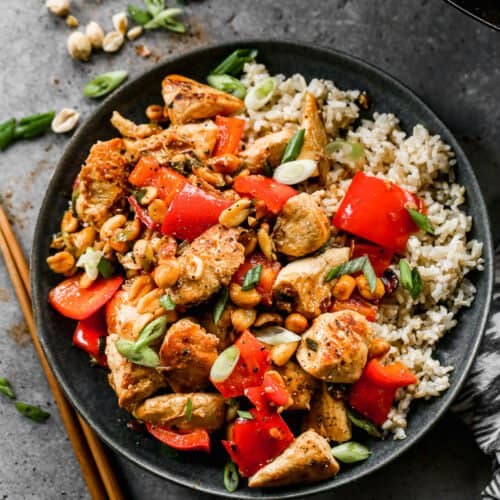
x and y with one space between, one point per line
450 60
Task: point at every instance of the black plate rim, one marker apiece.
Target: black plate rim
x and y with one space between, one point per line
448 396
482 19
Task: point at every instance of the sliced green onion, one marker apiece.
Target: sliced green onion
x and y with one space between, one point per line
251 278
90 261
167 302
351 452
106 268
231 477
165 19
151 332
363 423
35 413
261 94
189 409
276 335
349 267
410 278
33 125
7 133
224 364
294 172
6 388
228 84
144 357
154 6
421 220
312 344
353 150
139 16
245 414
233 64
294 146
220 304
369 274
104 84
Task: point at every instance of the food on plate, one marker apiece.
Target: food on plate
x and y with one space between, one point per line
261 271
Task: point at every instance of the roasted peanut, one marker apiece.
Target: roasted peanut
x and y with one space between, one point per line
167 273
69 223
236 214
61 262
135 32
150 302
267 318
281 354
344 287
82 240
378 348
113 41
120 22
157 210
168 249
249 240
225 164
65 121
194 267
209 176
150 193
111 226
296 323
154 112
140 287
364 288
143 254
243 298
57 242
85 281
72 21
79 46
243 319
266 243
58 7
95 34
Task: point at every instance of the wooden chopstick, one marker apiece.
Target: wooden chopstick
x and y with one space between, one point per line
95 466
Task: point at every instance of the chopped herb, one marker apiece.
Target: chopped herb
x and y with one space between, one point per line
189 409
370 275
144 357
364 424
151 332
33 125
220 305
245 414
252 277
7 133
103 84
35 413
154 6
166 19
139 16
312 344
231 477
410 278
233 64
224 364
349 267
167 302
6 388
227 84
354 150
350 452
106 268
267 169
421 220
294 146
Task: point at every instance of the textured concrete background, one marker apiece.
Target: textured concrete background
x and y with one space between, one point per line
450 60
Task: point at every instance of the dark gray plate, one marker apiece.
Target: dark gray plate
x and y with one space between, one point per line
87 387
485 11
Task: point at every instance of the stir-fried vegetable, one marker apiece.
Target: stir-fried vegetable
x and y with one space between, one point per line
196 440
220 304
224 364
353 150
26 128
294 172
6 388
350 452
362 423
229 136
258 96
353 266
252 277
410 278
32 412
421 220
229 84
104 84
90 336
233 64
231 477
276 335
294 146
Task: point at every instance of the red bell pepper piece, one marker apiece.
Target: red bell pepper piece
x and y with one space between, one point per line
249 371
380 258
68 299
196 440
191 212
358 304
375 210
271 394
167 181
230 133
90 334
273 193
142 214
372 395
270 270
254 443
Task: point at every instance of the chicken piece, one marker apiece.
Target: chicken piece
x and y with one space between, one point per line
224 330
315 138
307 460
187 353
300 286
174 145
128 128
207 411
187 100
102 182
221 255
300 385
301 228
269 148
335 347
328 417
132 383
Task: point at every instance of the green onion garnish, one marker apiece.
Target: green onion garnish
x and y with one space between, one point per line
233 64
224 364
220 304
421 220
410 278
6 388
104 84
167 302
35 413
252 277
227 84
294 146
231 477
245 414
350 452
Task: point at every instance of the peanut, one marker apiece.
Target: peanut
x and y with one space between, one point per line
157 210
344 287
244 298
242 319
266 243
61 262
236 214
364 288
296 323
69 223
167 273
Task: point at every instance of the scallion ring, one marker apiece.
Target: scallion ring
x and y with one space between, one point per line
234 62
224 364
351 452
104 84
227 84
353 150
258 96
276 335
231 477
295 171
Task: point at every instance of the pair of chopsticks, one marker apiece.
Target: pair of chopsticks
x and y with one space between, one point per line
96 469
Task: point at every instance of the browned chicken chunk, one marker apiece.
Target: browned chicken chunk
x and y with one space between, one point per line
187 353
132 383
335 348
301 228
269 148
207 411
308 459
301 287
328 417
187 100
207 264
315 138
300 385
103 181
128 128
224 329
